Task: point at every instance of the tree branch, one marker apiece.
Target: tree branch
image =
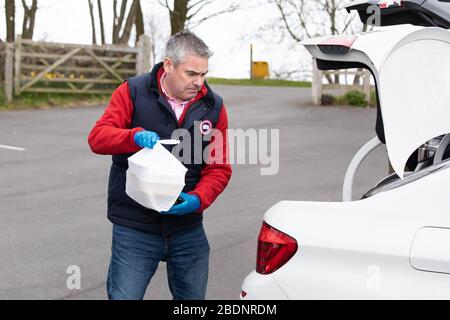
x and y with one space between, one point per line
28 19
286 24
196 23
165 4
123 10
102 25
197 3
129 23
302 20
205 3
91 12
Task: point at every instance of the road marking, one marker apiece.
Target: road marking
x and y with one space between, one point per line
11 148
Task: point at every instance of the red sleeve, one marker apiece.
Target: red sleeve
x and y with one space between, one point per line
111 133
215 175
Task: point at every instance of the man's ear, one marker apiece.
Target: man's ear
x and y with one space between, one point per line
168 65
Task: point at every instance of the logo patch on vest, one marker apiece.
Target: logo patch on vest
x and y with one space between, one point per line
205 127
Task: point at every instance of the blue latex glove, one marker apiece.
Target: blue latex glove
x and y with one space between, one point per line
191 203
146 139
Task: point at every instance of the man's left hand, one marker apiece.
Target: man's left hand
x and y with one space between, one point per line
191 203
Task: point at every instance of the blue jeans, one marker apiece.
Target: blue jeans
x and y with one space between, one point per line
136 255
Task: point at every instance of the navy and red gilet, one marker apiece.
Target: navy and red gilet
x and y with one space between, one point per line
138 104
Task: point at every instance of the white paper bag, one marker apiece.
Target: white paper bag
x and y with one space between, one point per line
155 178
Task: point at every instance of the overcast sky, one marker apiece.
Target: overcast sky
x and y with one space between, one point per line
229 35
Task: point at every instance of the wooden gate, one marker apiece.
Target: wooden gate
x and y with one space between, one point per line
73 68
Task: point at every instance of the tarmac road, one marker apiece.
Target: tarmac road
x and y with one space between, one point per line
53 194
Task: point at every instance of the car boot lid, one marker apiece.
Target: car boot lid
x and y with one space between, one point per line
411 67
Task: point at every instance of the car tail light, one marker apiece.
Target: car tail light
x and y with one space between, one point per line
337 45
275 248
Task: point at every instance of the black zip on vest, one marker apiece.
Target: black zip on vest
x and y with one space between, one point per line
152 112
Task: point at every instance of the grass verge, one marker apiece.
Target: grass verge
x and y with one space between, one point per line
50 100
260 82
351 98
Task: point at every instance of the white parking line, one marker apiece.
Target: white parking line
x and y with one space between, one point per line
11 148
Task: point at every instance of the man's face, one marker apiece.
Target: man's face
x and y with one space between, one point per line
186 79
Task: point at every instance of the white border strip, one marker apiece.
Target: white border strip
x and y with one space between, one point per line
11 148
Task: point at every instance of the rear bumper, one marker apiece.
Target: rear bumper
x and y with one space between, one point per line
261 287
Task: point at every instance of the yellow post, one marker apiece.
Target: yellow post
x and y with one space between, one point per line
251 61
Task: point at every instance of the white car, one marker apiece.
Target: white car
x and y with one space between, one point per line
394 243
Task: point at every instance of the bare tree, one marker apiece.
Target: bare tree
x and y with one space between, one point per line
139 22
118 20
93 21
126 33
121 31
10 14
28 22
94 32
184 11
289 8
29 19
178 15
308 18
102 25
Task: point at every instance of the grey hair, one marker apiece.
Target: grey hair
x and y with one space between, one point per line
186 43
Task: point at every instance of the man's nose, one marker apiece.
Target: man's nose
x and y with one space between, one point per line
198 81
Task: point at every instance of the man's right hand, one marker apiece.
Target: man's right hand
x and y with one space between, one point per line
146 139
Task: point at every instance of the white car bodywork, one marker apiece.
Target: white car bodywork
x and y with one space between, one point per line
390 245
367 249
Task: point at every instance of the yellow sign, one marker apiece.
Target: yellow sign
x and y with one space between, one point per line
260 70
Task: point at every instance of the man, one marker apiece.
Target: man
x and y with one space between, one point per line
141 111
